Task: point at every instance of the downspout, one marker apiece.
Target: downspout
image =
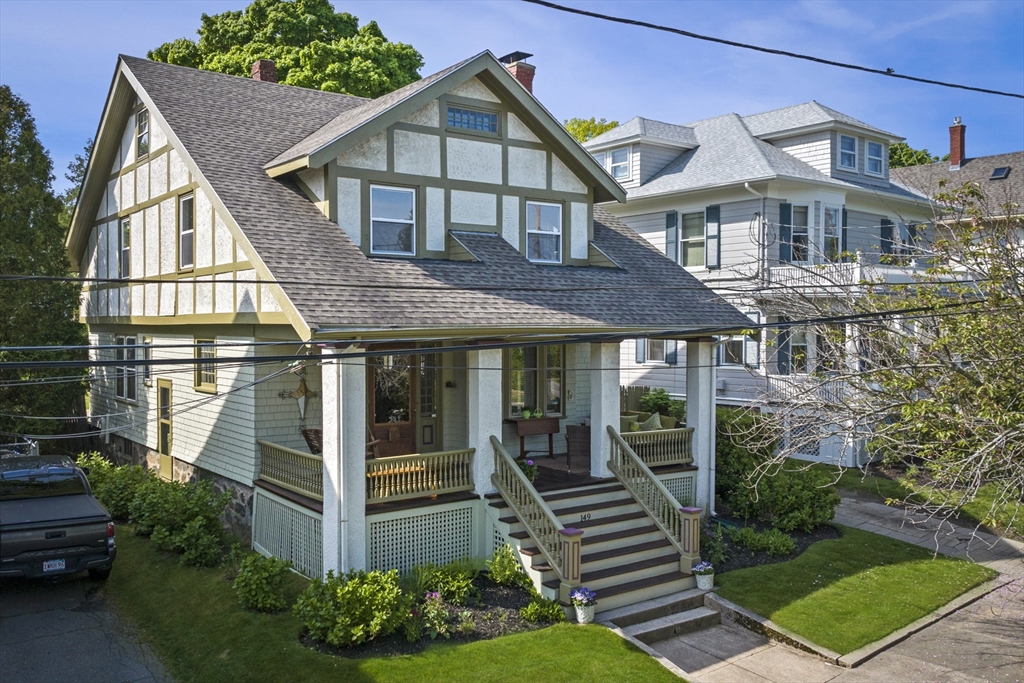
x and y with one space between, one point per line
762 247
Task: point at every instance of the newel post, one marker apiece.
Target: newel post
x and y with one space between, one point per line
689 539
572 541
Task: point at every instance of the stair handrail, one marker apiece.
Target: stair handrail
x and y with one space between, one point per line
680 524
559 545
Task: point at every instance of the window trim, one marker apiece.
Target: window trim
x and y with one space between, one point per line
560 233
628 163
412 223
839 160
124 248
125 374
703 239
838 234
140 134
649 355
191 198
147 354
808 233
199 382
869 158
540 396
806 346
473 131
725 341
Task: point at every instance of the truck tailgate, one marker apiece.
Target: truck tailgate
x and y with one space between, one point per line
71 524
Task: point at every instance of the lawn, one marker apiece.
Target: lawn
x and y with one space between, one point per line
192 619
851 591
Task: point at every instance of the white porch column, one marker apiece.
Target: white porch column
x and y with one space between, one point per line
483 386
344 517
604 405
700 416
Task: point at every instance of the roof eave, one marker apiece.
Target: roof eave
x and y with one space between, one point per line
643 138
828 125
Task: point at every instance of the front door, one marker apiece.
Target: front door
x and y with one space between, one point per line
428 424
392 409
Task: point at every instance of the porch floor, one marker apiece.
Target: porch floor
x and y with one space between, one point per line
412 503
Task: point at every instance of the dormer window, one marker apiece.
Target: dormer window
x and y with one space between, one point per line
616 162
142 133
392 220
544 232
848 152
875 163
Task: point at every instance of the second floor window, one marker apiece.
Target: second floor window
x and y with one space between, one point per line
798 352
544 232
125 252
875 162
619 166
833 234
142 133
125 384
691 239
848 152
186 232
392 220
800 234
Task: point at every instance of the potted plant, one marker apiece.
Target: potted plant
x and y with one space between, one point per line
705 573
527 413
528 468
584 600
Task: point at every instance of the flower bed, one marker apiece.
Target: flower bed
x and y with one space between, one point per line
740 557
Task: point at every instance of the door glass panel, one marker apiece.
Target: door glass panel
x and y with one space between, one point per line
522 380
553 383
391 390
428 375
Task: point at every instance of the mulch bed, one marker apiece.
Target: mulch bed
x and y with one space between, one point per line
740 557
497 614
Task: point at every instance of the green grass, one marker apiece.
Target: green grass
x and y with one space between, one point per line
845 593
192 619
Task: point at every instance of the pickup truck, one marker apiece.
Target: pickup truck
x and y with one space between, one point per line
50 523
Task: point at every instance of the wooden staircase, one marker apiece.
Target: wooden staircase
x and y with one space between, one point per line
625 557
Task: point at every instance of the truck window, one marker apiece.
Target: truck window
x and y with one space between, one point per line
17 484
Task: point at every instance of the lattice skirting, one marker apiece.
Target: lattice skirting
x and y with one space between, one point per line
682 486
437 537
291 532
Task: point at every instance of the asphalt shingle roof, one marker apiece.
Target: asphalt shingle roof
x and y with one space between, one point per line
232 127
799 116
924 179
639 126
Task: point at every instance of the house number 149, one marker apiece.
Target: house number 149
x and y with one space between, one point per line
585 517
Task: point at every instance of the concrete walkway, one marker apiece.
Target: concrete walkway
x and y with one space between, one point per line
984 642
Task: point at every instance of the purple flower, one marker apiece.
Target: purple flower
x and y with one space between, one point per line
529 462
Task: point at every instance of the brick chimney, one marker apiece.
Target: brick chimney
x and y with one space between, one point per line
957 152
521 70
264 70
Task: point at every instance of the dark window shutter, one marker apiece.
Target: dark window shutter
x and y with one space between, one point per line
886 236
785 232
670 351
782 351
712 237
641 351
912 232
842 237
752 347
672 235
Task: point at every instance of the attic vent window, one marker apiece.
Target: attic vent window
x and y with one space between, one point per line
1000 173
471 119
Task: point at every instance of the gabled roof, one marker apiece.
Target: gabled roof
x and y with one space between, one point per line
639 129
789 120
229 127
925 179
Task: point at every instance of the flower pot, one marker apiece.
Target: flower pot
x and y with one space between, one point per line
705 582
585 614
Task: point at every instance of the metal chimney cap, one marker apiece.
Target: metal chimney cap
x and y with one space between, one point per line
956 120
513 57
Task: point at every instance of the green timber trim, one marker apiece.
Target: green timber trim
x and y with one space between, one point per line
599 258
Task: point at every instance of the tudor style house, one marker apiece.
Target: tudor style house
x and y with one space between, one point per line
759 208
359 314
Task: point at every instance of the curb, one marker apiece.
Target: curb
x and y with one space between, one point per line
644 647
766 627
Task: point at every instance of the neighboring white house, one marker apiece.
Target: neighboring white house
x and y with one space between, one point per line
756 207
393 283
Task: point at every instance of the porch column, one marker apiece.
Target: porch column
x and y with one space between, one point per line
604 405
344 454
483 386
700 416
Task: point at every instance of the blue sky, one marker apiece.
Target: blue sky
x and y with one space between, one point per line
60 56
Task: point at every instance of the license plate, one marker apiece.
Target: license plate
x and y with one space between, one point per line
53 565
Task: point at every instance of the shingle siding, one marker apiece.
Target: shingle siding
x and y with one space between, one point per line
814 149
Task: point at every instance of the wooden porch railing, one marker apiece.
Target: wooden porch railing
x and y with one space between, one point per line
292 469
400 477
680 524
559 545
662 446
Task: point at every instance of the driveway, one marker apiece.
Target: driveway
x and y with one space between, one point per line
65 629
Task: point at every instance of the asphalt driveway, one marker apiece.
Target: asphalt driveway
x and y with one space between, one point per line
65 629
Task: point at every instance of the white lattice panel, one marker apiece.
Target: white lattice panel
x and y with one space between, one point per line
436 537
289 532
497 540
682 488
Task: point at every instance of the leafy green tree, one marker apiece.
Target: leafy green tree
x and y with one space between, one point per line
75 174
33 313
587 129
901 154
312 46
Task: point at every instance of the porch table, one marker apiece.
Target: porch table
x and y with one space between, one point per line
533 426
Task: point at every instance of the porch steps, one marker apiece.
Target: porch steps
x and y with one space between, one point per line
665 617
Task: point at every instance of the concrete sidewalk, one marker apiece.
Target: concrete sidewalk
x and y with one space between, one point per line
984 642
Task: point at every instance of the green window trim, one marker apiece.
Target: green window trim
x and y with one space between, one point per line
534 376
205 373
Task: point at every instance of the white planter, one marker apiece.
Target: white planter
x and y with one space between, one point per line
585 615
705 582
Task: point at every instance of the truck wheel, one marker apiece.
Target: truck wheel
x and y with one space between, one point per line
99 574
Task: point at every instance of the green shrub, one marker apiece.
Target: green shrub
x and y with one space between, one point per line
503 569
466 623
655 401
98 468
796 499
202 543
773 541
114 486
677 409
260 583
712 542
435 616
542 611
412 627
345 611
454 581
173 505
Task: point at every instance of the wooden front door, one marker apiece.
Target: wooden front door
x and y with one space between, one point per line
392 398
163 421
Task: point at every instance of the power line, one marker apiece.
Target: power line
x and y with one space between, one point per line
783 53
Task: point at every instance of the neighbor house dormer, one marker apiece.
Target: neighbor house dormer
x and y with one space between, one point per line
636 151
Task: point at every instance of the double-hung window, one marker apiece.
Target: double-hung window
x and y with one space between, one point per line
142 133
125 387
875 160
544 232
186 232
619 163
146 353
392 220
124 255
832 234
655 350
848 152
798 351
206 370
800 252
535 380
731 350
691 239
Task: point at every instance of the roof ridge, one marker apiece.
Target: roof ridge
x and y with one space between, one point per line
788 106
752 140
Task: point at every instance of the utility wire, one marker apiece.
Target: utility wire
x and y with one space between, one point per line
767 50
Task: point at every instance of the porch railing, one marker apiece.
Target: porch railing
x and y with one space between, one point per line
662 446
292 469
421 475
680 524
559 545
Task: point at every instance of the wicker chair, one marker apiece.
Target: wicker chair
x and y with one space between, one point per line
577 441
